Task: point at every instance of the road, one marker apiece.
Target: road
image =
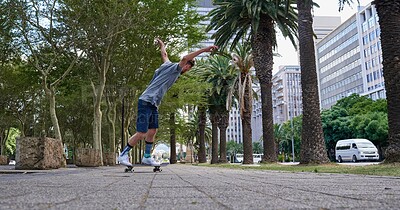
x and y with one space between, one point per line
183 186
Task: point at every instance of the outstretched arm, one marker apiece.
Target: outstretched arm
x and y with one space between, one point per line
194 54
164 55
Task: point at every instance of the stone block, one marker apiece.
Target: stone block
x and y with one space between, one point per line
109 158
88 157
3 160
39 153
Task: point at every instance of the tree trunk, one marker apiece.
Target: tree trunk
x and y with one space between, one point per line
3 139
172 159
389 21
111 118
222 125
214 145
246 123
312 138
53 115
98 95
202 128
262 43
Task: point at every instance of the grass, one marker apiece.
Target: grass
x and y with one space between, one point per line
377 169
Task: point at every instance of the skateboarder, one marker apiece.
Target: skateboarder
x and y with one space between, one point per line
147 117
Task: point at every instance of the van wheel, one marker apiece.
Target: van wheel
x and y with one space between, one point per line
340 159
354 159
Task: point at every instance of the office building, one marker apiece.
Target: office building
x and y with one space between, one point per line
286 94
286 88
323 25
349 59
203 8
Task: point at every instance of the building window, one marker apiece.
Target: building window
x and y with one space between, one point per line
365 40
378 32
371 22
366 53
371 36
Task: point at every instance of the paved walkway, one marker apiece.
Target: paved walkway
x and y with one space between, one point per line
192 187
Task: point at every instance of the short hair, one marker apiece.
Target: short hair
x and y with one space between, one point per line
191 62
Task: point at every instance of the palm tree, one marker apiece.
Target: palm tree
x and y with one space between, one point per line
202 130
389 22
214 134
243 60
312 144
256 20
196 133
218 71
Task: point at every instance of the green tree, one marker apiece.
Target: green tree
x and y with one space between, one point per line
42 37
355 117
233 147
336 126
372 126
256 20
257 148
10 144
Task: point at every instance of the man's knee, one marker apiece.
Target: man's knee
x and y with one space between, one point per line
152 131
141 135
150 134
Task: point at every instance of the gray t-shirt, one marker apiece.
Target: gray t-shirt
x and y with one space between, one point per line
164 77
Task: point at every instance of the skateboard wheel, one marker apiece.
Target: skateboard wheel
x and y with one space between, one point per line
129 169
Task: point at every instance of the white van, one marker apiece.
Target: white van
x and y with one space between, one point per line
355 150
239 158
256 158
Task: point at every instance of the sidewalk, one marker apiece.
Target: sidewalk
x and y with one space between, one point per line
182 186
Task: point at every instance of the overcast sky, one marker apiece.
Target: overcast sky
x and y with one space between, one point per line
327 8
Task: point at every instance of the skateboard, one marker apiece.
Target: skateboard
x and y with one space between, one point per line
155 169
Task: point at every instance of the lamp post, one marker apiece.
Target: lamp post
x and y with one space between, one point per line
291 126
291 101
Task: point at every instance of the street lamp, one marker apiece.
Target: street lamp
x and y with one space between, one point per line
291 126
291 117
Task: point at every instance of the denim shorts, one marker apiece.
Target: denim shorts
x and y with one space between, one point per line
147 116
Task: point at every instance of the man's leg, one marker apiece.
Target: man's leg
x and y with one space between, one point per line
149 142
142 123
123 157
132 142
147 159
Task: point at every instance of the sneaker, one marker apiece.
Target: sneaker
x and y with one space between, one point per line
150 161
124 160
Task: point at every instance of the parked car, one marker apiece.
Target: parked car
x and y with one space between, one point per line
355 150
256 158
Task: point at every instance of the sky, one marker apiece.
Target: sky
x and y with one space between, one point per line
327 8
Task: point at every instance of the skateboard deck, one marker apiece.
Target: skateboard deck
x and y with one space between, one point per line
155 168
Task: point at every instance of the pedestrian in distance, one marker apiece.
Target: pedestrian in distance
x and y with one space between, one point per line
147 115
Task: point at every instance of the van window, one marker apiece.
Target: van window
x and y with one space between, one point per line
365 145
354 146
343 147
